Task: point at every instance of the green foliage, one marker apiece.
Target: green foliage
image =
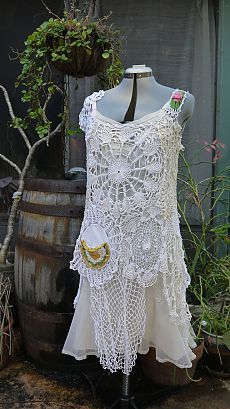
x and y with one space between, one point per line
210 274
52 41
193 196
77 131
18 123
226 338
114 73
222 232
211 290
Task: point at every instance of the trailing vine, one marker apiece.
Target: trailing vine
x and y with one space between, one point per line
51 43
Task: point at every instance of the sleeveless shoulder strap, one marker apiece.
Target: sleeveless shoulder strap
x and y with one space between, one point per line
177 100
87 113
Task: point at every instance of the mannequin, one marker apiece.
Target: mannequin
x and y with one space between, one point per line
137 96
151 96
144 97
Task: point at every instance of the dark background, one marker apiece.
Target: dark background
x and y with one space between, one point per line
18 20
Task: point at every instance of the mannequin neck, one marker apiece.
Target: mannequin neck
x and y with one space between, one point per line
143 81
135 82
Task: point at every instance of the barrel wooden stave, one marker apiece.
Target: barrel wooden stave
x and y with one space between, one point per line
45 286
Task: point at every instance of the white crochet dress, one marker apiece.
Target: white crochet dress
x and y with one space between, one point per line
129 254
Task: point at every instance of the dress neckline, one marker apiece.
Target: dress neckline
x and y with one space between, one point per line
139 120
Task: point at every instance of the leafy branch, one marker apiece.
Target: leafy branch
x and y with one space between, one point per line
16 123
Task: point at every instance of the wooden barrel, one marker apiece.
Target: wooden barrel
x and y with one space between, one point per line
51 213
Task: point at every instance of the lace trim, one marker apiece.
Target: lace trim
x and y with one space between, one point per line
88 112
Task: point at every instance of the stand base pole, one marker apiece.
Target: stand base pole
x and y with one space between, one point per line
126 400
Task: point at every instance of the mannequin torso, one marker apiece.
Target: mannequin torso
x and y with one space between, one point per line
129 251
151 96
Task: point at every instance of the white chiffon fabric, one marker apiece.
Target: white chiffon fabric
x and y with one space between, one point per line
167 337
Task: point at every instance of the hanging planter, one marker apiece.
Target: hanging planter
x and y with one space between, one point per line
75 44
80 47
81 61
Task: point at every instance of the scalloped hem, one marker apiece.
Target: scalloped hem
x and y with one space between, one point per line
173 342
81 356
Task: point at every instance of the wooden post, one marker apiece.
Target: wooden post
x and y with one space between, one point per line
77 90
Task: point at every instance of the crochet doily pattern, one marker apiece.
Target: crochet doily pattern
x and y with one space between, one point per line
130 231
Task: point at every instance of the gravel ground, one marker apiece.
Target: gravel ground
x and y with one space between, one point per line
23 385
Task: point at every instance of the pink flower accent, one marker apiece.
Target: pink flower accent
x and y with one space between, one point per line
215 146
216 156
177 96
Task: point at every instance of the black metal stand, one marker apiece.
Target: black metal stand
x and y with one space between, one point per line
126 400
144 399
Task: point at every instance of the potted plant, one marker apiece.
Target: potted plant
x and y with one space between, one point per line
198 252
212 315
6 322
209 292
80 46
166 373
76 45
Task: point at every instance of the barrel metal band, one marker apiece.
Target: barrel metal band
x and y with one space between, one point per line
55 186
51 210
47 249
